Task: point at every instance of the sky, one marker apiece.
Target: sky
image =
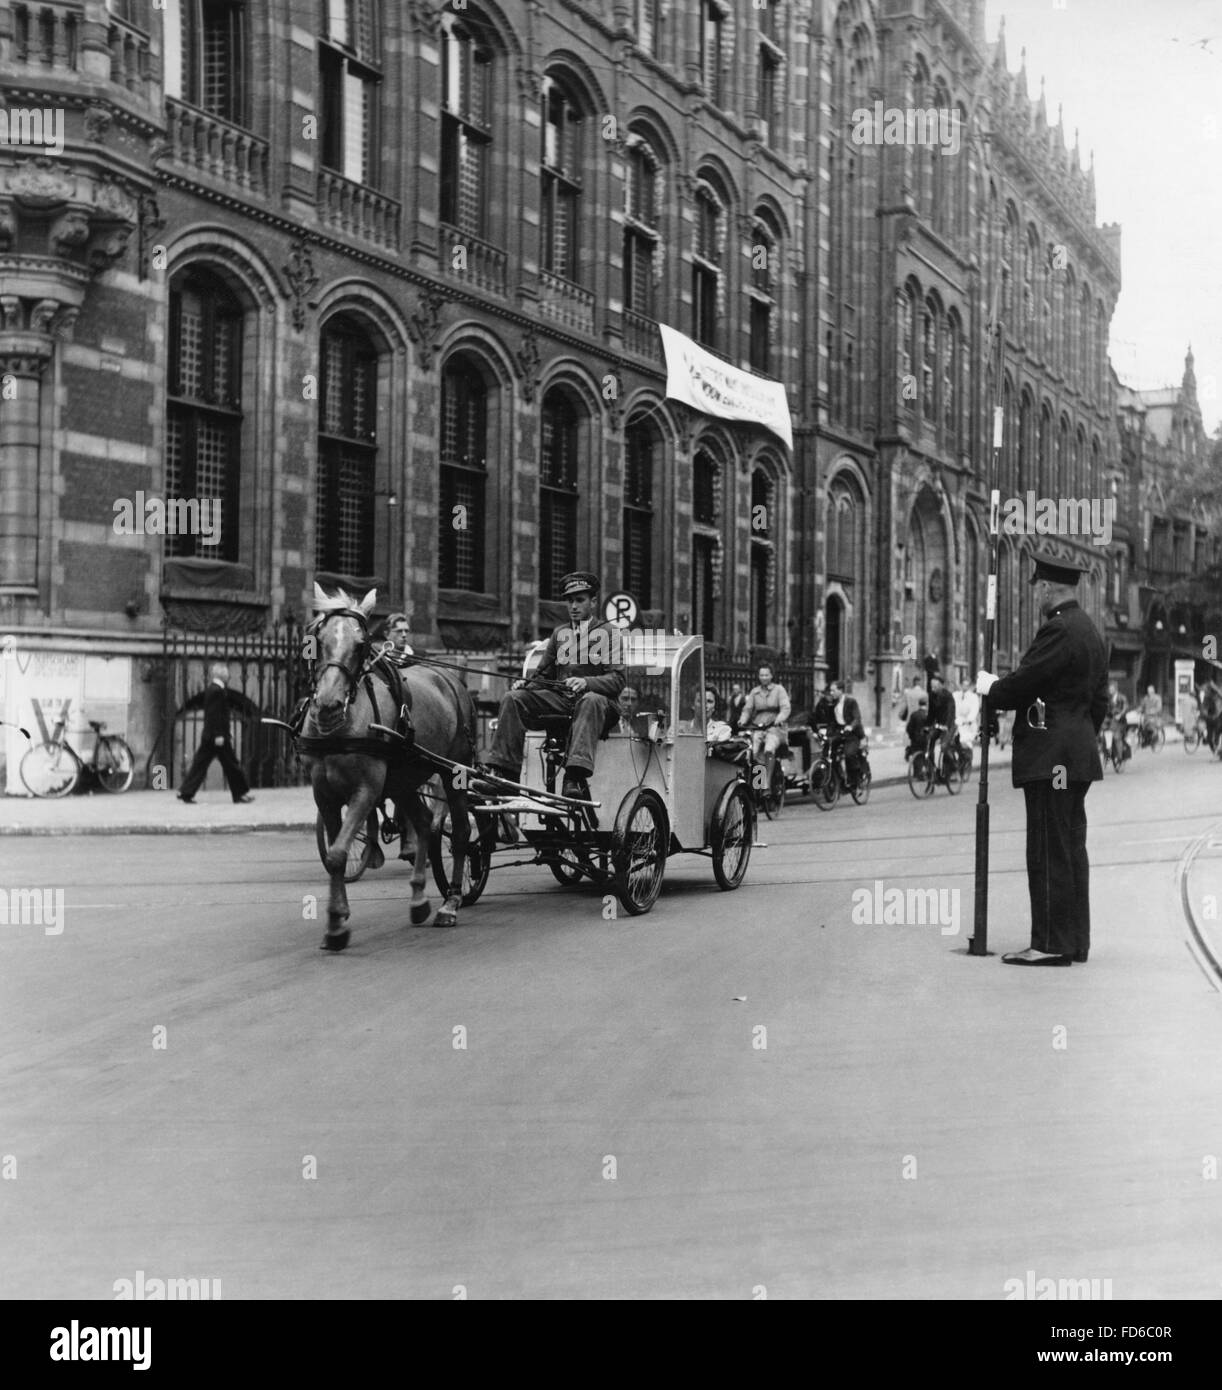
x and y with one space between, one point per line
1148 100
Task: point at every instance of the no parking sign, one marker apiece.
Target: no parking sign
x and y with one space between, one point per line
621 610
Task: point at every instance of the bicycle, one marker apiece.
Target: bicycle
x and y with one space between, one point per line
925 770
1118 754
767 787
54 768
1152 736
829 773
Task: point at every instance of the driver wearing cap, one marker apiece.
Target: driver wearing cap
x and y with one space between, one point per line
584 673
1056 759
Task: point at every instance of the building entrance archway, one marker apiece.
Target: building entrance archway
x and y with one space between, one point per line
927 578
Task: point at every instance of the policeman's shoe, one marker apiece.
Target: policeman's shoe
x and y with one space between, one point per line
186 800
575 785
1079 957
1033 957
243 800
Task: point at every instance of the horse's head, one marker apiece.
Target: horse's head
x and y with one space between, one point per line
341 638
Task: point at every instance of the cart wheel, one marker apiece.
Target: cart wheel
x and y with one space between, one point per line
860 790
476 863
567 866
824 784
731 834
1192 739
638 850
360 851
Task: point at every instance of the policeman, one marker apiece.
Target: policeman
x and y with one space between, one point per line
1056 758
582 673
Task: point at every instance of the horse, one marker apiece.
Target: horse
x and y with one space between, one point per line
350 764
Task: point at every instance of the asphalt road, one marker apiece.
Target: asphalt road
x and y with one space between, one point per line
546 1103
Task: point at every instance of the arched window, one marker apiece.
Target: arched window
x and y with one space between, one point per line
467 68
1010 270
558 494
1100 365
765 286
1065 481
1086 320
763 514
707 263
1047 481
350 80
642 227
950 381
929 360
1031 287
463 469
649 18
642 452
560 177
347 449
706 543
1026 444
1070 326
904 329
203 448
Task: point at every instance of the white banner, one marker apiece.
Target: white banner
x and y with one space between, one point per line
712 386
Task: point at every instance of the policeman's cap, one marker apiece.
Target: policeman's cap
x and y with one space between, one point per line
1054 569
579 582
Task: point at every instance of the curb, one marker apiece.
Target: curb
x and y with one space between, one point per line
198 829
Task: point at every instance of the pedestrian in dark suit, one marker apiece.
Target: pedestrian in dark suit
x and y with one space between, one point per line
215 743
1065 668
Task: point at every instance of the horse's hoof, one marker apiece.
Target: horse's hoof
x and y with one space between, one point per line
336 941
419 914
336 863
446 917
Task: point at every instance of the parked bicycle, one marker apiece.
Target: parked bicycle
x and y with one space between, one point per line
55 768
935 763
830 775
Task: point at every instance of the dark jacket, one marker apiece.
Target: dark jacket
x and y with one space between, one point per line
216 712
825 713
1066 667
942 708
596 654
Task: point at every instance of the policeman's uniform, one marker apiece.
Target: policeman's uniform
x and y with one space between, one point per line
1066 668
592 650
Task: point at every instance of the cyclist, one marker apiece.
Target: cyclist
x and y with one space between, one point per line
841 714
942 725
967 716
764 716
1115 721
1210 703
1151 713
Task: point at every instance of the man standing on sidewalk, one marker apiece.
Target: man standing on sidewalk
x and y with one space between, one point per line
215 743
1056 758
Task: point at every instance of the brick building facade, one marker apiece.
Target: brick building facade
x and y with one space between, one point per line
385 279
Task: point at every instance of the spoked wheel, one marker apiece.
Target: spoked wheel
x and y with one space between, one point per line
965 765
116 764
731 835
639 843
1118 758
360 851
1158 739
775 796
824 783
476 862
860 790
1192 739
920 779
951 775
50 769
567 866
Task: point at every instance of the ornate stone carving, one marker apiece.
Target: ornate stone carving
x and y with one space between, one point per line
528 360
115 200
42 182
150 226
97 123
107 247
10 314
65 323
423 326
69 230
302 278
426 15
8 227
41 315
530 84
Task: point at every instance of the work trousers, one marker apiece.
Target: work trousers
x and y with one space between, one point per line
1058 869
234 776
521 710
